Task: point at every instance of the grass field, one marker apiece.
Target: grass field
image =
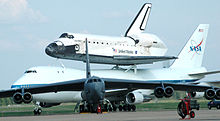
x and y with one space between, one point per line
25 110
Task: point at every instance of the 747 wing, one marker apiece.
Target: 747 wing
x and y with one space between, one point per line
78 85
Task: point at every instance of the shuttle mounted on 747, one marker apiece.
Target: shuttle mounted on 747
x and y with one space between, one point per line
50 86
136 47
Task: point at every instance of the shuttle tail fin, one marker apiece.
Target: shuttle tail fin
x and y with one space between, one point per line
140 21
191 55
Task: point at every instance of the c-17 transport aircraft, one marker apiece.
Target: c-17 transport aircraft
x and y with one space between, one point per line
136 47
53 85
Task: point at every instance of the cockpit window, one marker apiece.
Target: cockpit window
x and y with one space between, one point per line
66 35
30 71
93 80
90 81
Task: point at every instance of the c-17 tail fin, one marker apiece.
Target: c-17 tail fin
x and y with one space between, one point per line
140 21
191 55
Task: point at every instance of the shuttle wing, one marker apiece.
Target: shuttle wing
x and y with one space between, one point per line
127 60
143 59
78 85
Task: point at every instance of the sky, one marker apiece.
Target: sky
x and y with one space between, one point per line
28 26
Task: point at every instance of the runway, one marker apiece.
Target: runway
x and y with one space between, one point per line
201 115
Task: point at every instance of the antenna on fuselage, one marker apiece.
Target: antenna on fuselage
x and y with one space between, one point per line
88 72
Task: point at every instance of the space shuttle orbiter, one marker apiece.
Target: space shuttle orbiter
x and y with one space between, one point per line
136 47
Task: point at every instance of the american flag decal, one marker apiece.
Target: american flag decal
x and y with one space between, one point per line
114 50
200 30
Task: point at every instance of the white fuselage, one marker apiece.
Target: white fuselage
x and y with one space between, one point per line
47 75
148 45
102 48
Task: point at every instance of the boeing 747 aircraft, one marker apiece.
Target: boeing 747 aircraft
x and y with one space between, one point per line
136 47
50 86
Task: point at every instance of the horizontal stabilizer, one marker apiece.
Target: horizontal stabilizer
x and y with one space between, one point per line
204 73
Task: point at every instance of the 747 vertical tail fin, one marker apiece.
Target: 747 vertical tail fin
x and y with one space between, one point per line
191 55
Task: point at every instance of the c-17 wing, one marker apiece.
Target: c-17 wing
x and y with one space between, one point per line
78 85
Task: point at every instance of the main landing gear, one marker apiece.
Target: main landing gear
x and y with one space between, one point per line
127 107
107 107
37 109
185 108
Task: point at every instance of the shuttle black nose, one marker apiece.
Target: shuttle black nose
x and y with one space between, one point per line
51 49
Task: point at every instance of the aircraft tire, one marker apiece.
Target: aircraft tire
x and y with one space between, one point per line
110 109
120 108
209 107
37 111
105 107
81 108
129 107
114 108
133 107
125 107
218 106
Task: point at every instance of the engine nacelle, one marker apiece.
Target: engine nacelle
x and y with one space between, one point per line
209 94
17 98
159 92
197 95
168 91
27 97
134 98
47 105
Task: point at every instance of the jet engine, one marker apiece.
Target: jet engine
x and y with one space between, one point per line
27 97
17 98
47 105
159 92
168 91
135 98
197 95
209 94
